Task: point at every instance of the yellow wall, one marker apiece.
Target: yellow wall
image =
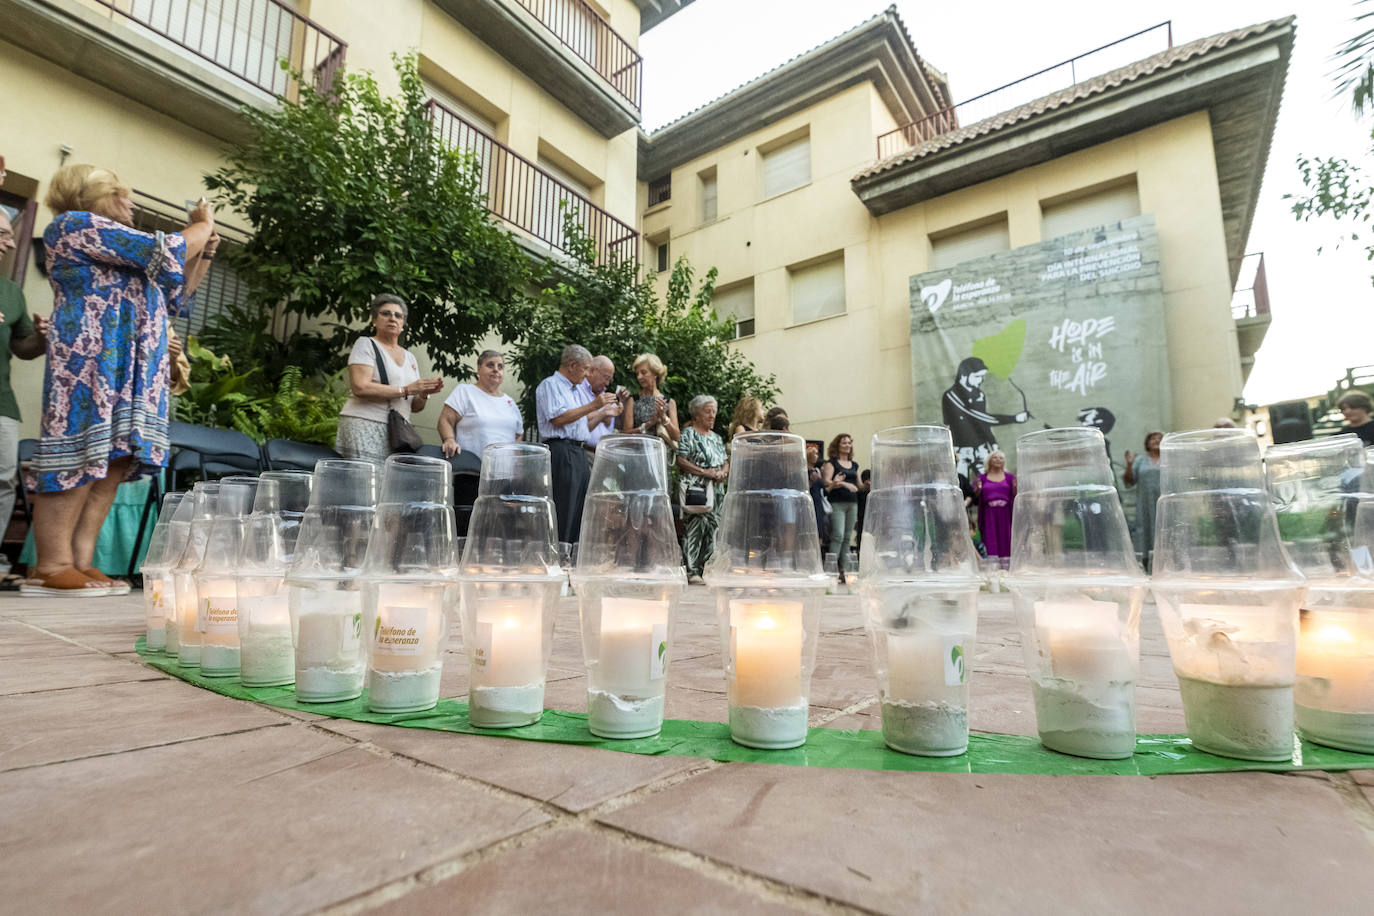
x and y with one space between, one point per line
852 372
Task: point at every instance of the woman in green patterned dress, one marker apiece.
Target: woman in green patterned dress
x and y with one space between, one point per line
702 462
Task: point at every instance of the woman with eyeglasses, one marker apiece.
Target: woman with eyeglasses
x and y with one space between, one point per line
363 420
474 416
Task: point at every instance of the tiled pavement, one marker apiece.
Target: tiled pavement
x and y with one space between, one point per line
122 790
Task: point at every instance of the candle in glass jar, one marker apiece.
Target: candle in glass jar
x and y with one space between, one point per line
921 666
766 640
404 637
267 658
1332 654
157 615
217 619
633 648
508 650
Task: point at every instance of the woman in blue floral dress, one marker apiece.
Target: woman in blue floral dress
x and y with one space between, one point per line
105 389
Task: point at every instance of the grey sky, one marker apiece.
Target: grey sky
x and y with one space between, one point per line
1322 316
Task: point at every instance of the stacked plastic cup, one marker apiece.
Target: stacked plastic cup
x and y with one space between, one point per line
1227 594
510 581
269 538
769 585
155 571
1319 488
196 513
918 585
1077 590
629 578
322 588
408 591
216 594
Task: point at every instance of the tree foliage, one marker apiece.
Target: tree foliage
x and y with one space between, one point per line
612 310
349 194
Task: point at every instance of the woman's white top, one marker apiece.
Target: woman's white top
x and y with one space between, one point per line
397 375
486 418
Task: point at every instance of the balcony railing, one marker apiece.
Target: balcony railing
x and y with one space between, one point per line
588 36
1252 300
1041 83
529 198
245 38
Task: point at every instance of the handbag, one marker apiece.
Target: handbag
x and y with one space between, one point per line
696 495
400 432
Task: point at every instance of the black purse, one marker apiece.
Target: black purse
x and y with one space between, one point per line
401 435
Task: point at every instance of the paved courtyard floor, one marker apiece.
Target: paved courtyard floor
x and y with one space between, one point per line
123 790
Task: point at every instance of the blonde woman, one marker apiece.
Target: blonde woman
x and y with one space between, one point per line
653 413
105 388
748 416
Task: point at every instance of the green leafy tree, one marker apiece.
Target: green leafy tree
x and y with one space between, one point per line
612 310
349 194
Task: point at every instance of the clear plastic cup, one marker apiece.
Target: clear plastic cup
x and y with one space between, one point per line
1077 591
510 579
156 571
195 515
408 592
769 585
1319 488
269 537
918 585
216 592
1227 594
629 578
323 593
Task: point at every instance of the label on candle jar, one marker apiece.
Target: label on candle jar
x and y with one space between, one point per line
352 637
953 655
658 651
218 615
400 631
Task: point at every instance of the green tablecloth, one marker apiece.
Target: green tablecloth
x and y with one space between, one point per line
118 534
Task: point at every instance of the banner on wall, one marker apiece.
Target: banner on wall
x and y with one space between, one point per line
1066 332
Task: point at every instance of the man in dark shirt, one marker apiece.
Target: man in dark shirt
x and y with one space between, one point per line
1358 410
20 337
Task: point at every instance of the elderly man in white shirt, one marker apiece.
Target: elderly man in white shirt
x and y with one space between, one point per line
598 380
564 425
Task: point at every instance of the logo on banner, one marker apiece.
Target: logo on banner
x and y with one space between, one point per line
935 296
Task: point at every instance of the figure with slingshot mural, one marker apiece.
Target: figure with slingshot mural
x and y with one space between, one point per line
964 407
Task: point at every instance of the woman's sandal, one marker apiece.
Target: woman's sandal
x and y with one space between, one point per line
115 586
69 583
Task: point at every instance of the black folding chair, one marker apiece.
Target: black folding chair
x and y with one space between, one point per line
219 452
26 449
289 455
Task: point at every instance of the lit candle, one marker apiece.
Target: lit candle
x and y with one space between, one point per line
633 648
218 622
1084 640
188 621
267 658
1335 689
328 640
404 659
156 615
508 644
169 610
766 642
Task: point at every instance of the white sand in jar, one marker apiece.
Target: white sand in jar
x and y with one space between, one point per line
769 728
219 661
1095 721
1239 720
1349 731
188 655
321 684
611 716
169 637
506 707
933 729
267 659
157 638
404 691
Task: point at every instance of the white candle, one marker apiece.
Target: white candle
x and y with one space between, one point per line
188 618
766 642
507 648
923 666
405 637
1084 641
633 647
217 607
156 616
329 628
265 638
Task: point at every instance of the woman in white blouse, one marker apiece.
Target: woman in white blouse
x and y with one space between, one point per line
362 421
474 416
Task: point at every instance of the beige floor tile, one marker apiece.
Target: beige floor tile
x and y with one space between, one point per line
27 675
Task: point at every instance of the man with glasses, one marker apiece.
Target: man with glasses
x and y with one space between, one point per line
565 421
20 337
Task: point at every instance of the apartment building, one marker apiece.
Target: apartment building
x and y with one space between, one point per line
878 242
547 93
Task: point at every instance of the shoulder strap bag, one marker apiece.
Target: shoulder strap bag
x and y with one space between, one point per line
400 432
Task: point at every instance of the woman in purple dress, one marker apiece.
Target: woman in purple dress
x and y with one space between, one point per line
105 391
996 491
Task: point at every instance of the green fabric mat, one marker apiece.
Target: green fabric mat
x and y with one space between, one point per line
825 747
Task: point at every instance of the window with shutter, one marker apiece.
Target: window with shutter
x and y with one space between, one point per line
817 289
786 167
736 302
708 195
955 246
1089 209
